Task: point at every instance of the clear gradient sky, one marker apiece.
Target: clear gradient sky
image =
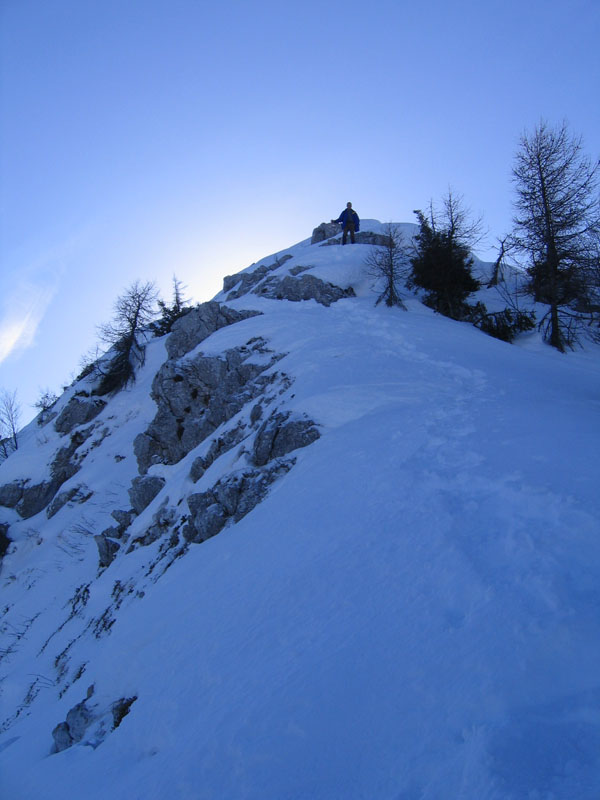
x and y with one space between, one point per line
143 138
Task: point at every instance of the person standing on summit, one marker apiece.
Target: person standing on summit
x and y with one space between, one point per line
350 221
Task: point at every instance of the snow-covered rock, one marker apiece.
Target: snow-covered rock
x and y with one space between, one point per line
317 550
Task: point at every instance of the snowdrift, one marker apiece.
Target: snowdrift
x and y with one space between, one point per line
318 550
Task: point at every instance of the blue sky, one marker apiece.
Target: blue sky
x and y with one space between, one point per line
146 139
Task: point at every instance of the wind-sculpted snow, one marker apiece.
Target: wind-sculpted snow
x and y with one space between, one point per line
374 575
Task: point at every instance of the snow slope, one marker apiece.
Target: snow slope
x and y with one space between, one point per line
411 613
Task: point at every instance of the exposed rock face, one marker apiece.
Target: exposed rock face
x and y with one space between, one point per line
11 493
72 731
235 495
305 288
162 521
87 719
30 500
364 237
195 396
109 541
143 491
107 549
35 498
325 231
199 323
248 280
219 446
230 499
78 411
279 435
4 539
76 494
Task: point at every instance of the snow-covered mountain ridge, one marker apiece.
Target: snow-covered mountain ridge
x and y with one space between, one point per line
402 598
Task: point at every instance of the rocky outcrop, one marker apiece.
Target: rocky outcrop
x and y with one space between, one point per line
279 435
199 323
247 280
68 733
364 237
4 540
88 721
195 396
219 445
122 518
143 490
229 500
305 288
109 541
325 231
162 522
236 494
30 500
107 549
11 493
76 494
36 498
78 411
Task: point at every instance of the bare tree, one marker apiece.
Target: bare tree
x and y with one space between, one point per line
557 227
388 264
10 414
134 311
499 264
457 220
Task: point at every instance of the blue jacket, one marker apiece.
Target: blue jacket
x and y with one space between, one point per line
343 218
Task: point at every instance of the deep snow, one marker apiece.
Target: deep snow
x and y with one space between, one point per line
411 613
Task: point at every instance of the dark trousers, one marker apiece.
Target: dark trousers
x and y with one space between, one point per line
348 227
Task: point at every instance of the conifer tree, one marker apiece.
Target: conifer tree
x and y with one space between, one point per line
170 313
441 263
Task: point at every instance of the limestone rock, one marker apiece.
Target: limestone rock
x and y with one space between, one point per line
308 287
123 518
363 237
71 731
121 708
35 498
199 323
76 494
162 522
325 231
219 446
62 737
11 493
107 549
143 490
279 435
91 721
78 411
230 499
247 280
195 396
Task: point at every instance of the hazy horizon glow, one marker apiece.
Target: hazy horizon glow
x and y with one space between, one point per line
193 138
